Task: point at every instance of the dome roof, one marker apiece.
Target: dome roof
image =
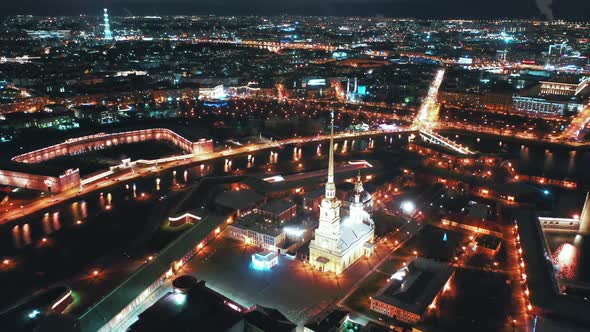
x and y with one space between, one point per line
365 197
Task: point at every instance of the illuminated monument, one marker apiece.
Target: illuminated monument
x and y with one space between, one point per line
108 35
337 245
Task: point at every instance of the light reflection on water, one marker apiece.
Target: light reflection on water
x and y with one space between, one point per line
47 230
557 163
16 236
26 234
55 221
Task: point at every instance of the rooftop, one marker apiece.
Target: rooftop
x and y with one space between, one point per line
541 280
330 322
352 232
265 255
257 222
477 210
269 319
239 199
488 241
277 206
30 168
203 309
414 287
200 306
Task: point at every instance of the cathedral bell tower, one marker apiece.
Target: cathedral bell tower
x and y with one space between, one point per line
329 223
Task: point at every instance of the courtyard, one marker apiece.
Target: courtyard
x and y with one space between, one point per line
292 286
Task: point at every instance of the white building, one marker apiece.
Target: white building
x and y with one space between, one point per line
253 229
211 92
338 244
269 239
545 106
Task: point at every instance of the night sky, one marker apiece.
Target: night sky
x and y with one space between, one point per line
390 8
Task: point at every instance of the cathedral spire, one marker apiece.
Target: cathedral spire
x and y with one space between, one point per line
330 186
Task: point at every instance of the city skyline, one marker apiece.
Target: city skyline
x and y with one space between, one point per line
424 9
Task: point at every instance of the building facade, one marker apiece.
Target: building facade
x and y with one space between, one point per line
211 92
42 181
477 100
558 88
545 106
257 237
39 178
83 144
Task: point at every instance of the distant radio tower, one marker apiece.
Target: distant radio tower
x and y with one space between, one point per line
108 35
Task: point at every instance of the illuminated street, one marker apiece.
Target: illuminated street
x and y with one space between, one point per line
428 114
576 128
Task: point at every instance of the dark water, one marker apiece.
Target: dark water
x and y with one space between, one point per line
555 163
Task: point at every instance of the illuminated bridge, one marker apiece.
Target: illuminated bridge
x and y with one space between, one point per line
434 138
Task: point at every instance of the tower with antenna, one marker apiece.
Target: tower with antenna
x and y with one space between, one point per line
108 35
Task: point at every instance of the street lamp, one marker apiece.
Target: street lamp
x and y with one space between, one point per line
408 207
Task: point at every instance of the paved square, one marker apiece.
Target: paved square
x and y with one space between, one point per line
292 286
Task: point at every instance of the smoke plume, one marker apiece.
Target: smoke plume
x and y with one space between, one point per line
545 8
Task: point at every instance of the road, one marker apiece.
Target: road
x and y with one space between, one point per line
576 128
428 114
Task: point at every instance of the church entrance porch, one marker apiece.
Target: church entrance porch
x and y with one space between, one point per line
320 263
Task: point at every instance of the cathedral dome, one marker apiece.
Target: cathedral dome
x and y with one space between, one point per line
365 197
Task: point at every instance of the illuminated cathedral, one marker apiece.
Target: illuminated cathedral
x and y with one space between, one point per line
337 243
